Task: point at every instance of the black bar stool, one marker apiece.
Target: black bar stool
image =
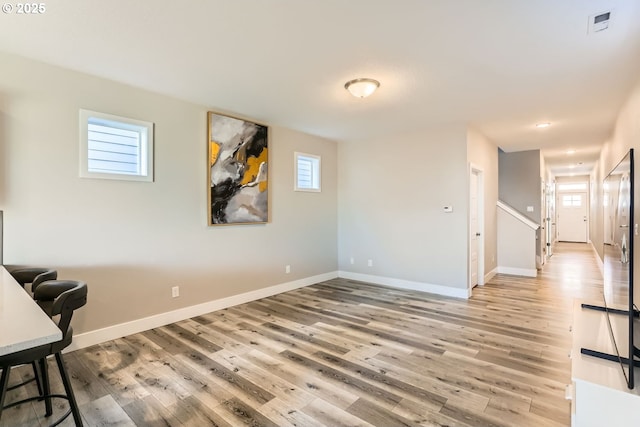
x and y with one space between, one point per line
33 275
64 297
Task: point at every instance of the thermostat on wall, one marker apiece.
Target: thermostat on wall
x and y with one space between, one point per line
448 209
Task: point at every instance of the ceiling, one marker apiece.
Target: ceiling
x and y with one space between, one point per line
499 66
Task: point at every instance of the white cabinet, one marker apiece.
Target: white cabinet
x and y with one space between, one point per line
600 394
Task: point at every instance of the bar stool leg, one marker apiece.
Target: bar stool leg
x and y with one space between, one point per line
44 369
36 373
67 388
4 381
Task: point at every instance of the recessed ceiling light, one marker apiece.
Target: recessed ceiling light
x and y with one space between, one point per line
543 125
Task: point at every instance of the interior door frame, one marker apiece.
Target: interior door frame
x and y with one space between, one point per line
479 172
543 223
551 217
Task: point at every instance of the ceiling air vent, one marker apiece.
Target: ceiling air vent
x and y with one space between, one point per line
599 22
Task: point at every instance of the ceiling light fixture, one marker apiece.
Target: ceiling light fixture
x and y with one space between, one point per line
361 88
570 152
543 125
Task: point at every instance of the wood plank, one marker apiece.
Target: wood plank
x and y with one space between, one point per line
148 411
329 415
237 412
105 411
247 388
378 416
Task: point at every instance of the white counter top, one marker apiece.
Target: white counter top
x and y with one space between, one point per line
23 324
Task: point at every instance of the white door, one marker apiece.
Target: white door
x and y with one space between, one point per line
543 222
572 217
473 230
476 242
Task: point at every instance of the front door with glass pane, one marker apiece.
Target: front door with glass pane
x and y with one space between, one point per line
572 217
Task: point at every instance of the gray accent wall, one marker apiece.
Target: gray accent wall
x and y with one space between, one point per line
519 182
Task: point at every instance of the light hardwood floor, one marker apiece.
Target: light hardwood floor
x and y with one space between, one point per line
345 353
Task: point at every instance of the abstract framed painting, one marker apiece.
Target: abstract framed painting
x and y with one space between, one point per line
238 171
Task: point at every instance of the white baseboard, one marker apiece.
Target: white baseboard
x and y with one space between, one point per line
489 275
98 336
518 271
407 284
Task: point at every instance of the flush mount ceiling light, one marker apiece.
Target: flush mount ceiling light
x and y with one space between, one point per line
543 125
361 88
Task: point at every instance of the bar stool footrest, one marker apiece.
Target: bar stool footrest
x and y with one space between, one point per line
40 398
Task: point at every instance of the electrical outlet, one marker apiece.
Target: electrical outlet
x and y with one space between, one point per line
370 263
287 269
175 291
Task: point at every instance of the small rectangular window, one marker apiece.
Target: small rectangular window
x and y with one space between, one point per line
113 147
573 186
307 172
572 200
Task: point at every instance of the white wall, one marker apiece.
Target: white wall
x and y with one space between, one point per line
596 210
391 195
132 241
516 245
626 135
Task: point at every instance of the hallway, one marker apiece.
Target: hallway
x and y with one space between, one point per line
544 304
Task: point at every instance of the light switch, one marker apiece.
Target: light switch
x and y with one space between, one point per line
529 208
448 209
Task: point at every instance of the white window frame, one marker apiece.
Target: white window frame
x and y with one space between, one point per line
145 130
572 200
572 186
316 172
